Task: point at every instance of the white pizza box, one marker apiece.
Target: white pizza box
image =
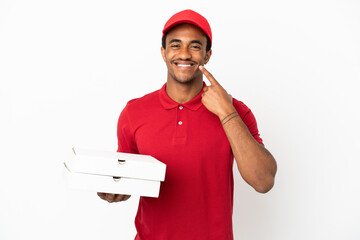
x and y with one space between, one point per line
109 184
114 172
117 164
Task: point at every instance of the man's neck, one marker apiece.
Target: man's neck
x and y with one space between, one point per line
182 93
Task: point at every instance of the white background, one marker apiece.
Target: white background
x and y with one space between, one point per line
67 68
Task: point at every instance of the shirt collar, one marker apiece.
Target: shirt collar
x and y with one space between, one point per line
194 104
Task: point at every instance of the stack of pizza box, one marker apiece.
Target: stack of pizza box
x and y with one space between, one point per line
115 172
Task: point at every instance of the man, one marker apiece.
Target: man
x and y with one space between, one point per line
196 130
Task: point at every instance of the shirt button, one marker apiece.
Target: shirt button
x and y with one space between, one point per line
181 107
180 122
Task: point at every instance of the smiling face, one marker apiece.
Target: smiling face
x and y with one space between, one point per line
185 51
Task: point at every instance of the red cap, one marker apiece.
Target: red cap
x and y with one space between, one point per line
188 16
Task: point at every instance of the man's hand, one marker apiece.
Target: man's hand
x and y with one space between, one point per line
113 197
215 98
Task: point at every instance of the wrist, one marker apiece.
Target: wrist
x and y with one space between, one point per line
226 112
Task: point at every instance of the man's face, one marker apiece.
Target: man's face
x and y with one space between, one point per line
185 52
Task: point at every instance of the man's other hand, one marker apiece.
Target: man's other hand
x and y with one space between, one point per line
113 197
215 98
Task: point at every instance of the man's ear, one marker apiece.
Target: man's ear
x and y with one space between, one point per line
207 56
163 53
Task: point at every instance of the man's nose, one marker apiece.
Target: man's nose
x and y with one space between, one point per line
184 53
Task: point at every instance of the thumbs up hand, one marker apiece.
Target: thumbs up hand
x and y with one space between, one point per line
215 98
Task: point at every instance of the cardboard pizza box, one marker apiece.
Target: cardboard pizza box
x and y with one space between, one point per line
114 172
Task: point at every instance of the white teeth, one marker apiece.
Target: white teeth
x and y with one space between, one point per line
184 65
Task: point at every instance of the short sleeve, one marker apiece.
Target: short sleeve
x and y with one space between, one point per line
126 140
248 118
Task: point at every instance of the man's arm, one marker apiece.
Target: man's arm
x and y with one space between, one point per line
255 163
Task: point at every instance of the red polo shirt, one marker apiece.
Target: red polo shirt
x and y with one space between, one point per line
196 198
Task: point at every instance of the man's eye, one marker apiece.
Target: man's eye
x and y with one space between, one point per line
175 46
196 47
